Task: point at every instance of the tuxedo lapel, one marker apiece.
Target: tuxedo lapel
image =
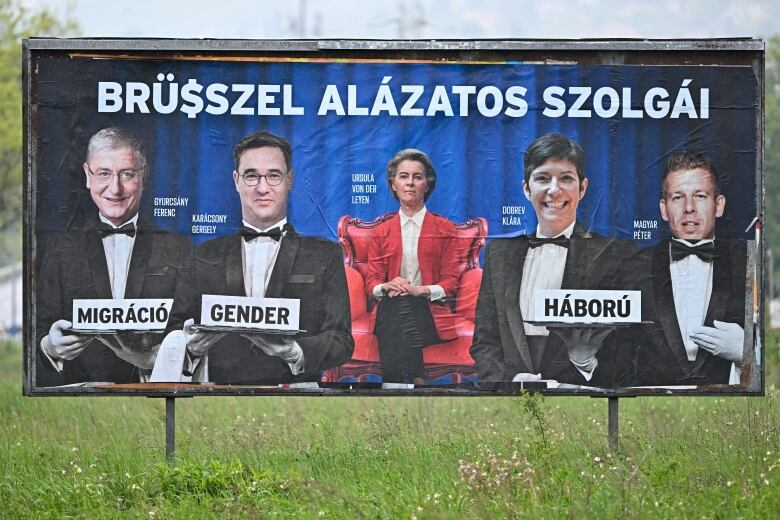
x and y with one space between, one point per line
574 272
139 261
664 304
717 306
511 273
721 285
288 250
578 259
234 266
96 256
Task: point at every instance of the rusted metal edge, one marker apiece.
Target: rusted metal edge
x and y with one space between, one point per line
223 45
363 392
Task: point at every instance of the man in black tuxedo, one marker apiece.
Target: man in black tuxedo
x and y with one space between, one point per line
696 293
116 255
560 255
269 259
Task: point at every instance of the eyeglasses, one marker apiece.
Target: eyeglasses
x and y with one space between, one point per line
253 179
125 176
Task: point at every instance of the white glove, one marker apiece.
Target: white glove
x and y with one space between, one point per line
724 340
524 377
198 343
583 343
123 346
278 346
60 345
284 347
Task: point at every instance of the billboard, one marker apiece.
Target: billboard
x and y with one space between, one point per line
230 217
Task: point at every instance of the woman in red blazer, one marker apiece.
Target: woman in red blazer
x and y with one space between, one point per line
413 267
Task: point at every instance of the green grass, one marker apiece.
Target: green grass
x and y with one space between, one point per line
299 457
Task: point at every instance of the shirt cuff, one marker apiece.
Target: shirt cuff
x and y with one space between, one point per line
191 363
735 375
144 375
55 362
296 360
377 291
437 293
587 368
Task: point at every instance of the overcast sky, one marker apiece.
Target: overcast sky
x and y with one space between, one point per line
420 19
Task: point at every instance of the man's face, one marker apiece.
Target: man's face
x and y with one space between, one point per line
116 199
410 184
691 206
554 191
263 205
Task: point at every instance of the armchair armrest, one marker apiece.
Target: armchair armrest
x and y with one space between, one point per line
468 290
357 292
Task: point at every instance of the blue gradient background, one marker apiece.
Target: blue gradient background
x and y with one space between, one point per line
478 159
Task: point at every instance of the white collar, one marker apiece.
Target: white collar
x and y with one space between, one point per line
104 220
566 232
417 218
279 224
697 244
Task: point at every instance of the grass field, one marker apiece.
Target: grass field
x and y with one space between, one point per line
350 457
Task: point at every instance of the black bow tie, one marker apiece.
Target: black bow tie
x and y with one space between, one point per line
274 234
106 230
705 252
561 240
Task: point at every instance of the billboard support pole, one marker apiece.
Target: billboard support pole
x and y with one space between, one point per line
170 428
612 424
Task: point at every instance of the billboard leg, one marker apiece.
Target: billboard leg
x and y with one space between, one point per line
612 424
170 428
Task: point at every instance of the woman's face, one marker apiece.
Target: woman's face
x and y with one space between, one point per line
410 183
555 190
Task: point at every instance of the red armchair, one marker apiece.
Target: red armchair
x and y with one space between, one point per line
448 362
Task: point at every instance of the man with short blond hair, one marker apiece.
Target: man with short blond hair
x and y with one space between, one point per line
696 293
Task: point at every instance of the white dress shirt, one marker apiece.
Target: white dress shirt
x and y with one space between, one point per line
411 228
543 269
259 258
118 248
692 288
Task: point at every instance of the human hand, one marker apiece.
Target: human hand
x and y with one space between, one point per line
724 340
396 287
524 377
283 347
582 343
419 290
64 346
198 343
126 347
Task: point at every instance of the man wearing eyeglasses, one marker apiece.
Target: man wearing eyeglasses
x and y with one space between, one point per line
117 255
269 259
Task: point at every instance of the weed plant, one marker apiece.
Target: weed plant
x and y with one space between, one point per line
346 457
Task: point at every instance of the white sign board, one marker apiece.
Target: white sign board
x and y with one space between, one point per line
131 314
272 314
587 306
